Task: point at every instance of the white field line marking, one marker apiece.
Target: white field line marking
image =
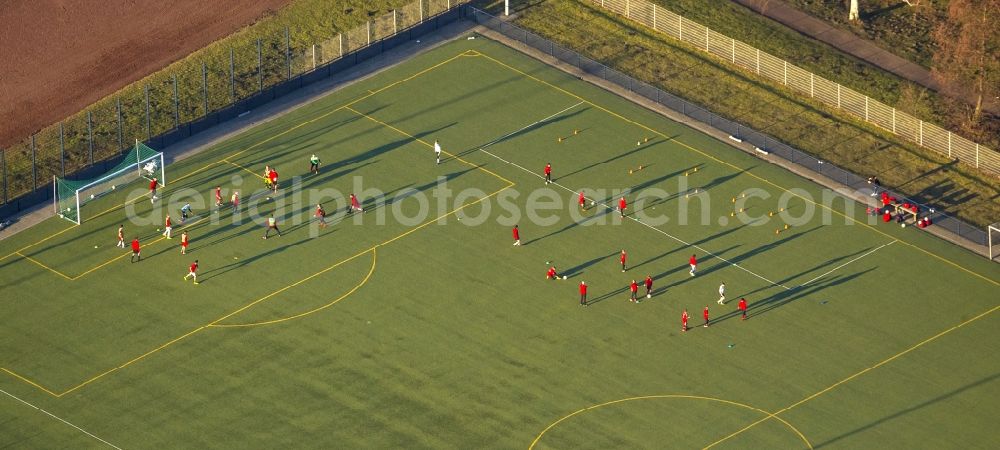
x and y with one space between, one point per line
605 205
526 127
61 420
846 263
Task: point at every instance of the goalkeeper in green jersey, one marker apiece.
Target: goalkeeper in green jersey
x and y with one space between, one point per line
314 164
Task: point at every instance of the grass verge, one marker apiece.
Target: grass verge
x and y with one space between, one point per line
919 173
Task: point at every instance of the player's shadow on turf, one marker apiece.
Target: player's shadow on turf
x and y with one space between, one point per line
219 271
693 244
756 251
680 268
635 150
579 268
786 296
896 415
517 133
816 268
572 224
622 291
372 153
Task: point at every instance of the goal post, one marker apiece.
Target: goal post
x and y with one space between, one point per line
993 241
141 162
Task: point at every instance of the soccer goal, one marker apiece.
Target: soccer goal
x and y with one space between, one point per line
70 196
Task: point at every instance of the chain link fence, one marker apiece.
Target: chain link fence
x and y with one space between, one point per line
194 95
806 83
762 141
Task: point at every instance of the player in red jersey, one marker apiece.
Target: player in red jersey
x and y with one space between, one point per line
193 272
355 205
583 201
184 242
121 236
694 264
743 307
548 173
684 320
218 196
168 227
622 204
517 235
273 177
705 315
135 250
552 274
153 184
583 293
633 288
649 286
623 257
321 215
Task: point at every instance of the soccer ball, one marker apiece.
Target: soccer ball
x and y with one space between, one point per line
68 209
112 187
592 203
902 225
91 196
564 277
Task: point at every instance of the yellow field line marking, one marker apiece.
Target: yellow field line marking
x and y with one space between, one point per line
216 321
862 372
15 375
39 263
255 145
667 396
129 362
130 252
663 135
244 168
428 144
284 319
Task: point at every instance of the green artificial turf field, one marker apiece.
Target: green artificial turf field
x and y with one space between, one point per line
418 324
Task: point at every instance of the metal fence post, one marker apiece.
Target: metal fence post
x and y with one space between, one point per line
62 151
628 11
177 105
654 15
340 37
812 85
90 137
368 31
838 95
921 132
232 74
314 56
121 134
34 165
733 50
680 26
949 144
893 120
204 85
421 12
706 40
395 25
288 53
758 61
786 72
866 108
148 135
260 72
977 155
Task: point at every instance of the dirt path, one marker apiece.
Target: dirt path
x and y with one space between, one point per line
58 56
